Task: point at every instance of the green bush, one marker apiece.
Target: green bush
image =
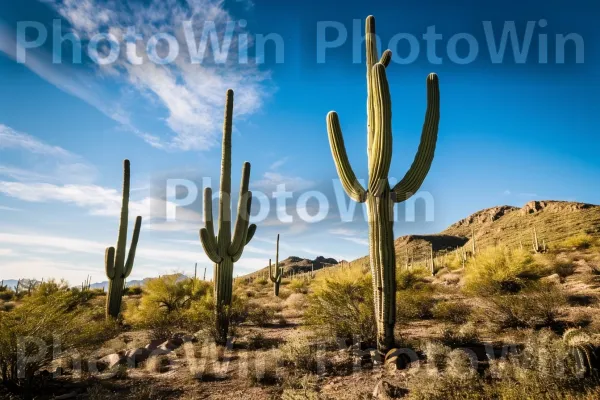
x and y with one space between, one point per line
49 316
341 305
500 270
451 311
563 267
7 295
261 316
298 285
301 354
411 279
534 308
579 242
414 304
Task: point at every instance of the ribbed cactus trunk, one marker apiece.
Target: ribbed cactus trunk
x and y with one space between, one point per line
380 198
224 250
383 266
118 264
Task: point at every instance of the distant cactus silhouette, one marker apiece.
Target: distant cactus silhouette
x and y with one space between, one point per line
224 249
275 273
118 264
378 195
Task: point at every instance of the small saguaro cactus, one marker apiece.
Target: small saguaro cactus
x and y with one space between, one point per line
275 272
537 248
378 195
224 250
119 264
431 260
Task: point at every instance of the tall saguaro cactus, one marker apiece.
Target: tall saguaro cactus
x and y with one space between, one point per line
224 250
275 273
119 264
379 197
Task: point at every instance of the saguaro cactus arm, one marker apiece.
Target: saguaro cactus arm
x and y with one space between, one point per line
109 262
243 214
336 140
132 249
420 167
237 246
207 234
251 232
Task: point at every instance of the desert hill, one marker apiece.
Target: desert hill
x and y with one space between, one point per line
298 265
509 226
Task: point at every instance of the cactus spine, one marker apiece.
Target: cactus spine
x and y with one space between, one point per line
119 264
378 195
275 273
224 249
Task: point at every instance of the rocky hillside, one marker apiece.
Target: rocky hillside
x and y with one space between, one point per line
554 221
297 265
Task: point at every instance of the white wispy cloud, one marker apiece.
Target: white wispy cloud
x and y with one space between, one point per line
192 95
270 180
46 162
9 138
278 164
102 201
357 240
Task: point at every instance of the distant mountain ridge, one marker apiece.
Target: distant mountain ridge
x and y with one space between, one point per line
298 265
510 226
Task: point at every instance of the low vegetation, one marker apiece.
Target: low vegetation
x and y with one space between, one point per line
322 330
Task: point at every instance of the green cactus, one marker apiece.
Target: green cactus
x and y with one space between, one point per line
275 273
537 248
378 195
224 250
119 264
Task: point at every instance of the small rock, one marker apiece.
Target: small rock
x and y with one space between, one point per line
171 344
154 344
136 356
113 360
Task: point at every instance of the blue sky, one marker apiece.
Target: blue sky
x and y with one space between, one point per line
510 131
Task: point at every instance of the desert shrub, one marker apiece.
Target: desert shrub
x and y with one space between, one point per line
298 285
132 291
533 308
163 307
341 305
301 354
451 311
579 242
261 316
411 279
7 295
563 267
8 306
414 304
466 335
545 365
201 315
261 281
284 294
262 369
501 270
436 354
48 318
296 301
